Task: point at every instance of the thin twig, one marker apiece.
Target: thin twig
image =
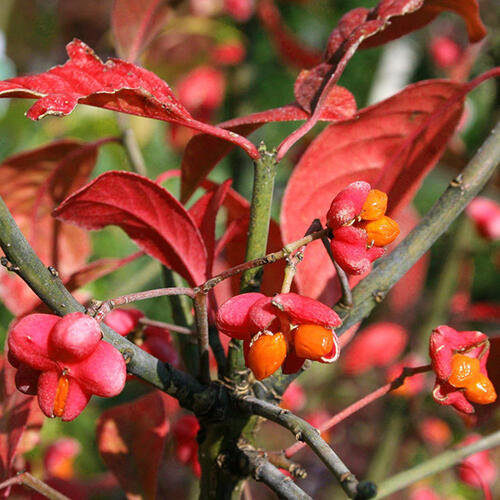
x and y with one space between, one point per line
437 464
201 319
247 492
261 261
358 405
346 299
288 275
293 260
263 470
280 460
183 330
26 479
99 309
306 432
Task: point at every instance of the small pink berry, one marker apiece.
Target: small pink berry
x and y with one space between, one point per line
445 52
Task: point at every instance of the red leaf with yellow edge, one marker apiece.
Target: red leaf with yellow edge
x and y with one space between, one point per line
131 440
115 85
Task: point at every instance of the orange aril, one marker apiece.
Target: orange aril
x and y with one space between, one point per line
266 354
480 390
374 206
61 395
312 341
463 369
381 231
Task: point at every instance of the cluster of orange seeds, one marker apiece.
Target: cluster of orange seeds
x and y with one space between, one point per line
380 229
466 374
267 351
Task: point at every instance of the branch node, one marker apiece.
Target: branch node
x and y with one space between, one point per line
379 296
348 476
458 181
53 271
127 354
5 262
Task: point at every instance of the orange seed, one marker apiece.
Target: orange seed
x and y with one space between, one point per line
266 354
374 206
463 370
312 341
61 395
480 390
381 231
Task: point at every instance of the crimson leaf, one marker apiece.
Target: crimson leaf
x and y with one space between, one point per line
149 214
131 439
116 85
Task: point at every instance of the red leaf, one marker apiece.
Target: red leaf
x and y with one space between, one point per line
203 151
390 19
131 439
391 145
116 85
135 24
33 183
149 214
290 49
403 24
204 213
15 410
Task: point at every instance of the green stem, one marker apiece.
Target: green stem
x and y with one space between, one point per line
129 143
390 269
258 230
437 464
260 217
394 423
